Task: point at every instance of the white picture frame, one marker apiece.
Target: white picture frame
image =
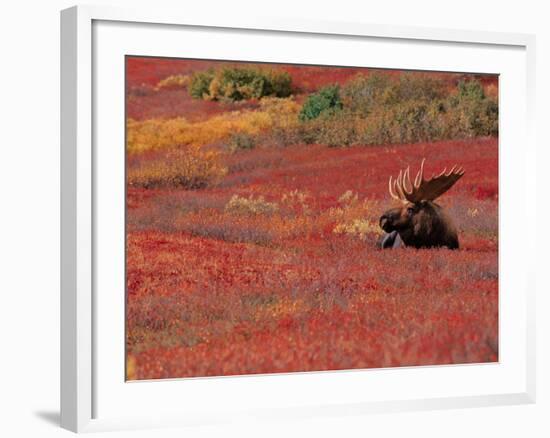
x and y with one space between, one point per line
86 376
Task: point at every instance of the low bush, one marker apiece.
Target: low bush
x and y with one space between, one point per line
173 82
363 93
241 205
285 125
190 167
358 228
199 84
154 134
417 87
404 123
241 141
326 102
473 114
407 122
339 129
239 83
273 122
378 109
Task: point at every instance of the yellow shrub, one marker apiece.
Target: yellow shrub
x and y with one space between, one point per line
357 227
282 112
186 163
250 205
189 167
170 133
174 81
354 217
348 198
160 133
297 200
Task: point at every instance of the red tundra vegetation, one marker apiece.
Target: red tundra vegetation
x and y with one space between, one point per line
274 266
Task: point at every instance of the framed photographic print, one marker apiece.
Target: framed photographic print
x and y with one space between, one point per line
275 219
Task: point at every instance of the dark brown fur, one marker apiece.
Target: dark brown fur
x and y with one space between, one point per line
420 225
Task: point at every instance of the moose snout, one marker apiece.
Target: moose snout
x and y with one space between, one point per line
386 223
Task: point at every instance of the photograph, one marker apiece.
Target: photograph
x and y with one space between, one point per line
288 218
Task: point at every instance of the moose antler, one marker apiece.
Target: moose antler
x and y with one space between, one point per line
423 190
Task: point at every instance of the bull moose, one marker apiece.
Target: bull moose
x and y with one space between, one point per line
419 222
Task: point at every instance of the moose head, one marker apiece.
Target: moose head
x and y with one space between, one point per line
419 222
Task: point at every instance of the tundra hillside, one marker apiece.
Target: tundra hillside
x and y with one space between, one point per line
253 199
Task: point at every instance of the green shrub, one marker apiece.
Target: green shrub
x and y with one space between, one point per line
378 109
418 87
278 84
468 90
326 101
472 113
339 129
415 121
240 83
200 83
363 93
407 122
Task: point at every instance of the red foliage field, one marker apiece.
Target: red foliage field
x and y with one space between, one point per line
215 291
